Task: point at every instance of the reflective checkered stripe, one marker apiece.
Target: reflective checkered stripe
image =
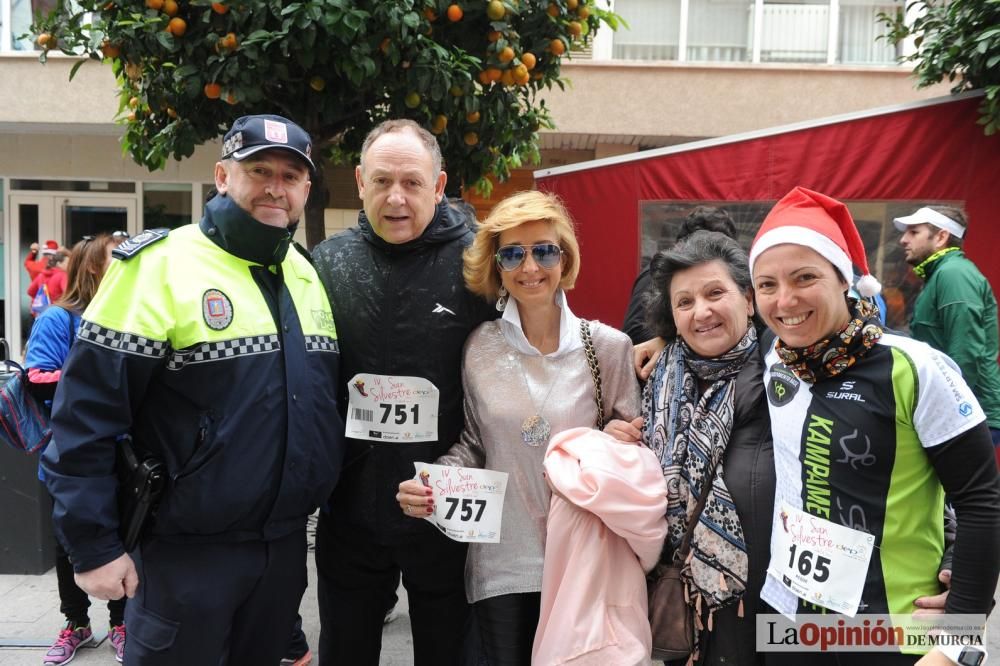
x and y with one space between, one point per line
128 343
224 349
322 343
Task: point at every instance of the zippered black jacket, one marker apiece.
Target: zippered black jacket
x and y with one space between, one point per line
400 310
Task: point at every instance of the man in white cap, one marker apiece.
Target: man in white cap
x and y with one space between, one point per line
956 312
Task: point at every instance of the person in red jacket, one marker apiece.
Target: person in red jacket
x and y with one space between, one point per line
35 263
52 280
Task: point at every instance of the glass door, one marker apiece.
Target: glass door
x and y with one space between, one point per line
41 217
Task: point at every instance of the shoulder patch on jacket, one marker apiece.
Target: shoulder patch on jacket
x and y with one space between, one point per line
136 244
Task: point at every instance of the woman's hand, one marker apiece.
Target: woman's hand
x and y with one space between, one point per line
625 431
645 355
415 499
934 605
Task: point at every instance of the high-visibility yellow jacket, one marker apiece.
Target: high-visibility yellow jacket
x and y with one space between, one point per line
215 347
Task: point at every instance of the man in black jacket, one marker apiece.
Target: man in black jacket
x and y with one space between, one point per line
395 281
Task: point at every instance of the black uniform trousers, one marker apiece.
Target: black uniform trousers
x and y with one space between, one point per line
356 583
215 604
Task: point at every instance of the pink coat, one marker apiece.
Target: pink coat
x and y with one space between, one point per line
606 527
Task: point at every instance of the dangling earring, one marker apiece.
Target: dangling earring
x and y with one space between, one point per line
502 301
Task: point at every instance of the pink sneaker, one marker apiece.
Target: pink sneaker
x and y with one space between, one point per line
65 647
116 638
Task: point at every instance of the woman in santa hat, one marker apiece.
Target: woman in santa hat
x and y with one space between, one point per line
871 430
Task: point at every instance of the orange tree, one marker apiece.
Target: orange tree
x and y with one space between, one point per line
469 71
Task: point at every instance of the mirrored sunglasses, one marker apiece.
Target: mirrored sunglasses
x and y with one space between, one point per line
546 255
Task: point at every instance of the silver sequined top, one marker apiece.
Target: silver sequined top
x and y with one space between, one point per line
497 400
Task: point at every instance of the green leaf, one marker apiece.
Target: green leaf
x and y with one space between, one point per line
76 67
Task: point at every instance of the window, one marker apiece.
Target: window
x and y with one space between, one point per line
653 32
661 220
166 205
22 14
806 31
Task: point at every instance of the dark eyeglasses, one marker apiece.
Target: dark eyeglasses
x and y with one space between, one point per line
546 255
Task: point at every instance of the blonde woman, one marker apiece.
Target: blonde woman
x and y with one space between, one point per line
526 377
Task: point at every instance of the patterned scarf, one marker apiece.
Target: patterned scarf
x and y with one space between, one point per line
690 434
831 356
921 268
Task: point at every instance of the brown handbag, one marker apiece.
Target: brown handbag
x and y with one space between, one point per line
671 617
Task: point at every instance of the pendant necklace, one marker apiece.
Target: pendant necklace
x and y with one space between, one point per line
535 429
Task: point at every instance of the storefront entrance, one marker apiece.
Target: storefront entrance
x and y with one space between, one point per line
65 217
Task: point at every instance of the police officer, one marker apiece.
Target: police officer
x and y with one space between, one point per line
215 347
403 313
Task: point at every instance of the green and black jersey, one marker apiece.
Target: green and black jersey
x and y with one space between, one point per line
858 449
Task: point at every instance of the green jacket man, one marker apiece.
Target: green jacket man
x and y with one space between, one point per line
956 312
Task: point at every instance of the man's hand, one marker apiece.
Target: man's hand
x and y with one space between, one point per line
114 580
33 247
934 605
645 356
935 658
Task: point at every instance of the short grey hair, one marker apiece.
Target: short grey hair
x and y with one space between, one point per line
699 248
404 125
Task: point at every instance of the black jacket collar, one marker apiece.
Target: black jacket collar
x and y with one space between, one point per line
238 233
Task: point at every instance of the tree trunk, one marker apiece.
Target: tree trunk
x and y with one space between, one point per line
315 209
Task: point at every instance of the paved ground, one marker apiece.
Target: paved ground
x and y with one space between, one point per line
29 611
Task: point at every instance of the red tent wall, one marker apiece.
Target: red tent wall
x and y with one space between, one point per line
933 152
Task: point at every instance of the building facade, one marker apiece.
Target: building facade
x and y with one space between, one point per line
684 70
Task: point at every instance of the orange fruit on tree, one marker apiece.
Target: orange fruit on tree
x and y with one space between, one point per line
220 8
45 40
553 10
506 54
495 10
439 123
133 71
455 13
212 90
572 4
574 28
131 116
231 98
430 14
170 7
412 99
529 60
583 12
317 83
177 26
229 41
494 36
471 138
472 117
156 5
557 47
520 72
171 112
484 78
493 73
384 45
507 78
110 50
133 102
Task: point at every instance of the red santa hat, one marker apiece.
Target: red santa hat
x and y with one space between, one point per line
51 247
814 220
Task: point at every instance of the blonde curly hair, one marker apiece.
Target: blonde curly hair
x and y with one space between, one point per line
482 276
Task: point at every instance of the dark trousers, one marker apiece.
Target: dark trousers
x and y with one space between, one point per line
507 626
74 602
356 582
215 604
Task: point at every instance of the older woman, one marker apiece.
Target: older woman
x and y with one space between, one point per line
703 414
526 377
871 429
